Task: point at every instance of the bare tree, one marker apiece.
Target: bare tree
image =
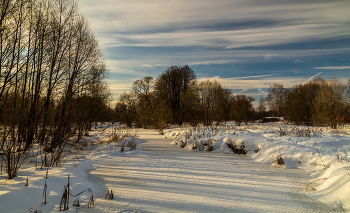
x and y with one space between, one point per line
261 109
211 95
49 58
299 103
226 105
330 102
275 98
242 108
13 56
191 105
171 85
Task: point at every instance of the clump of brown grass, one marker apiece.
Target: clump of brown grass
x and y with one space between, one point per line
183 144
239 150
210 148
123 139
130 143
279 160
194 145
101 142
313 185
210 145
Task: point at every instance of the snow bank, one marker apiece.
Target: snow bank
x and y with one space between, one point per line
323 152
15 197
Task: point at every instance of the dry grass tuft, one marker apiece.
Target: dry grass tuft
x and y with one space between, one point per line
183 144
237 150
279 160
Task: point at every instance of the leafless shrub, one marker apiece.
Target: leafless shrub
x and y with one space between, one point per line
240 150
210 146
183 144
279 160
201 146
304 132
343 129
91 202
122 138
319 154
299 161
115 138
101 142
109 195
194 145
131 144
120 134
283 131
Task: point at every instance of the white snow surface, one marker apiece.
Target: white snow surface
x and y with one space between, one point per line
161 177
321 152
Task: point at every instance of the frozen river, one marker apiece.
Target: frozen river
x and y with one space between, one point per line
159 177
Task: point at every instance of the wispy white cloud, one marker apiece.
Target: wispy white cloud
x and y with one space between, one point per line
127 16
158 23
255 84
215 33
252 77
261 92
296 71
268 56
208 62
333 68
230 39
139 61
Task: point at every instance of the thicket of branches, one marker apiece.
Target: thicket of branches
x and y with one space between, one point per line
318 102
51 78
176 97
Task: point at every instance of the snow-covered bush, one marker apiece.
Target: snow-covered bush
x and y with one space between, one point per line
237 146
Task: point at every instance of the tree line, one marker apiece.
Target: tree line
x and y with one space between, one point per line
317 102
51 79
177 97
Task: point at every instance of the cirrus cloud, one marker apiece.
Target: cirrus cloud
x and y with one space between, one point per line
333 68
222 38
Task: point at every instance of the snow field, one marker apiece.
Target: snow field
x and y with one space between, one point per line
316 150
15 197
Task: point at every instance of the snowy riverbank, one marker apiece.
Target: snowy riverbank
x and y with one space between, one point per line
323 152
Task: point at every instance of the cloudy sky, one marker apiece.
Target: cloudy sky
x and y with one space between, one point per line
244 44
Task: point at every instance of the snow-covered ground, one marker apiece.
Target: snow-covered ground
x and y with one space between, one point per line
15 197
323 153
160 177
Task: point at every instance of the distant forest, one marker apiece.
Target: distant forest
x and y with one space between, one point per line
176 97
